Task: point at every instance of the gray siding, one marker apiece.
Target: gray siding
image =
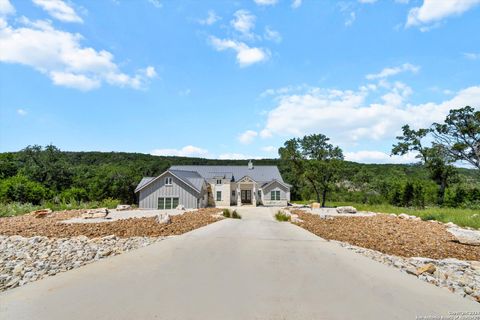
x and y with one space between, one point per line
284 195
148 197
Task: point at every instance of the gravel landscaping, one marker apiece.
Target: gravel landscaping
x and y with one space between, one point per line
51 226
423 249
33 248
24 260
460 277
391 235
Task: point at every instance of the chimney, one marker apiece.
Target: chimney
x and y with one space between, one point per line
250 165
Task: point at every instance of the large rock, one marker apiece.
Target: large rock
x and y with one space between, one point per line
180 207
428 268
122 207
163 218
471 237
315 205
346 209
95 213
41 213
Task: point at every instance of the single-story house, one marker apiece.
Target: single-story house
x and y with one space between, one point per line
199 186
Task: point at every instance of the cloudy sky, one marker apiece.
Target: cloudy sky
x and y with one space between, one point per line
232 79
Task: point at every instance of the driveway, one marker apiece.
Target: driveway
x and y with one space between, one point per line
254 268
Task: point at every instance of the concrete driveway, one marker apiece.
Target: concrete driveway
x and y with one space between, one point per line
254 268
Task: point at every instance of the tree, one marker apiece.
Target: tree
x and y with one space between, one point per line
46 166
460 134
314 159
19 188
435 158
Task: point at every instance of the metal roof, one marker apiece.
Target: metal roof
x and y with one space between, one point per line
193 178
258 173
143 182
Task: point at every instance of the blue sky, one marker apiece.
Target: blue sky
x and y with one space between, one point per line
232 79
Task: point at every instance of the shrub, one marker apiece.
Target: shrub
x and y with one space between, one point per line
281 216
20 189
235 215
226 213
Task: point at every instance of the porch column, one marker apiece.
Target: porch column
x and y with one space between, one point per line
254 196
239 196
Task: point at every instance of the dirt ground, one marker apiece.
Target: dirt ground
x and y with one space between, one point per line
391 235
29 226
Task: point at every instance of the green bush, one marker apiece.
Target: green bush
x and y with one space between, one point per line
281 216
20 189
235 215
74 194
226 213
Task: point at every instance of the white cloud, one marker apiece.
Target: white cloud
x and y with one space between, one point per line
245 55
58 9
350 19
402 1
60 55
367 1
365 156
22 112
236 156
388 72
6 8
272 35
434 11
266 2
156 3
472 56
187 151
210 19
346 117
247 137
269 149
296 4
243 22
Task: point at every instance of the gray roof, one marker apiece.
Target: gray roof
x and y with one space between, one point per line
143 182
191 178
235 173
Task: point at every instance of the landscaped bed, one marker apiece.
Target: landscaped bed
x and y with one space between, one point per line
391 235
51 226
33 248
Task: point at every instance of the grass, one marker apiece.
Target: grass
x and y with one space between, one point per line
17 208
281 216
231 214
459 216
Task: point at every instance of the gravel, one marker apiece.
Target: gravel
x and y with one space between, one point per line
391 235
458 276
51 226
24 260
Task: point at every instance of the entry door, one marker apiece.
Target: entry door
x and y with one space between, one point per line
246 196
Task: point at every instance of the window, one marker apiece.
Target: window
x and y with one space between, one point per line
161 203
168 181
259 194
275 195
233 193
219 181
174 203
167 203
219 195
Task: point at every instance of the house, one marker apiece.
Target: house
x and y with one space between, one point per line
198 186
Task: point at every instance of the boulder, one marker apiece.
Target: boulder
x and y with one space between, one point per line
403 216
41 213
180 207
471 237
346 209
122 207
95 213
427 268
163 218
315 205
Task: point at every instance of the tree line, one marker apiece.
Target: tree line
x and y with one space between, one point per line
315 168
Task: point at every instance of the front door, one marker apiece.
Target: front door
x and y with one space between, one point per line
246 196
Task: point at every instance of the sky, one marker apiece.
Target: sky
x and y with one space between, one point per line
232 79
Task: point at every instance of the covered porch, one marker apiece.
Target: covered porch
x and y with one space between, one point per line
247 192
